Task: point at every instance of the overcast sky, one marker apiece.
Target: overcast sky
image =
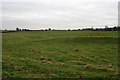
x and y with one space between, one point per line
59 14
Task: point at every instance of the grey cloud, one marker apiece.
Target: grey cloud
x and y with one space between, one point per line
58 14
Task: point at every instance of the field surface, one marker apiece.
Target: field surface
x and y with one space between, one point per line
60 54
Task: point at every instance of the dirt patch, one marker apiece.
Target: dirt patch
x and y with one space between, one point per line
88 66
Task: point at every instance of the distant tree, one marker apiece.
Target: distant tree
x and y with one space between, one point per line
49 29
17 29
20 30
68 29
92 28
45 29
115 28
5 29
106 28
23 29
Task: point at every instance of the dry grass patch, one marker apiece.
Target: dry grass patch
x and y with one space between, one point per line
107 68
78 62
89 66
17 68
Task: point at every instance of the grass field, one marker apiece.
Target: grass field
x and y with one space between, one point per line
60 54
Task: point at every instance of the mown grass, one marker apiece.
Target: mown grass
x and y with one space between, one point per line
60 54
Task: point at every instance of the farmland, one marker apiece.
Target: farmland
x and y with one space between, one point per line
60 54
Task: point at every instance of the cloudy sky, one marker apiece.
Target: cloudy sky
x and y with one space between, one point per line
58 14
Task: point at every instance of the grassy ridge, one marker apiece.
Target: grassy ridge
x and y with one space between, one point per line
61 54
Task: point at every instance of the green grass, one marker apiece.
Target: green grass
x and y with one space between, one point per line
60 54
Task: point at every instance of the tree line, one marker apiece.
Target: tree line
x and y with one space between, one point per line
84 29
115 28
103 29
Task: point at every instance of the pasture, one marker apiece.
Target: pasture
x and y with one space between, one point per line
60 54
